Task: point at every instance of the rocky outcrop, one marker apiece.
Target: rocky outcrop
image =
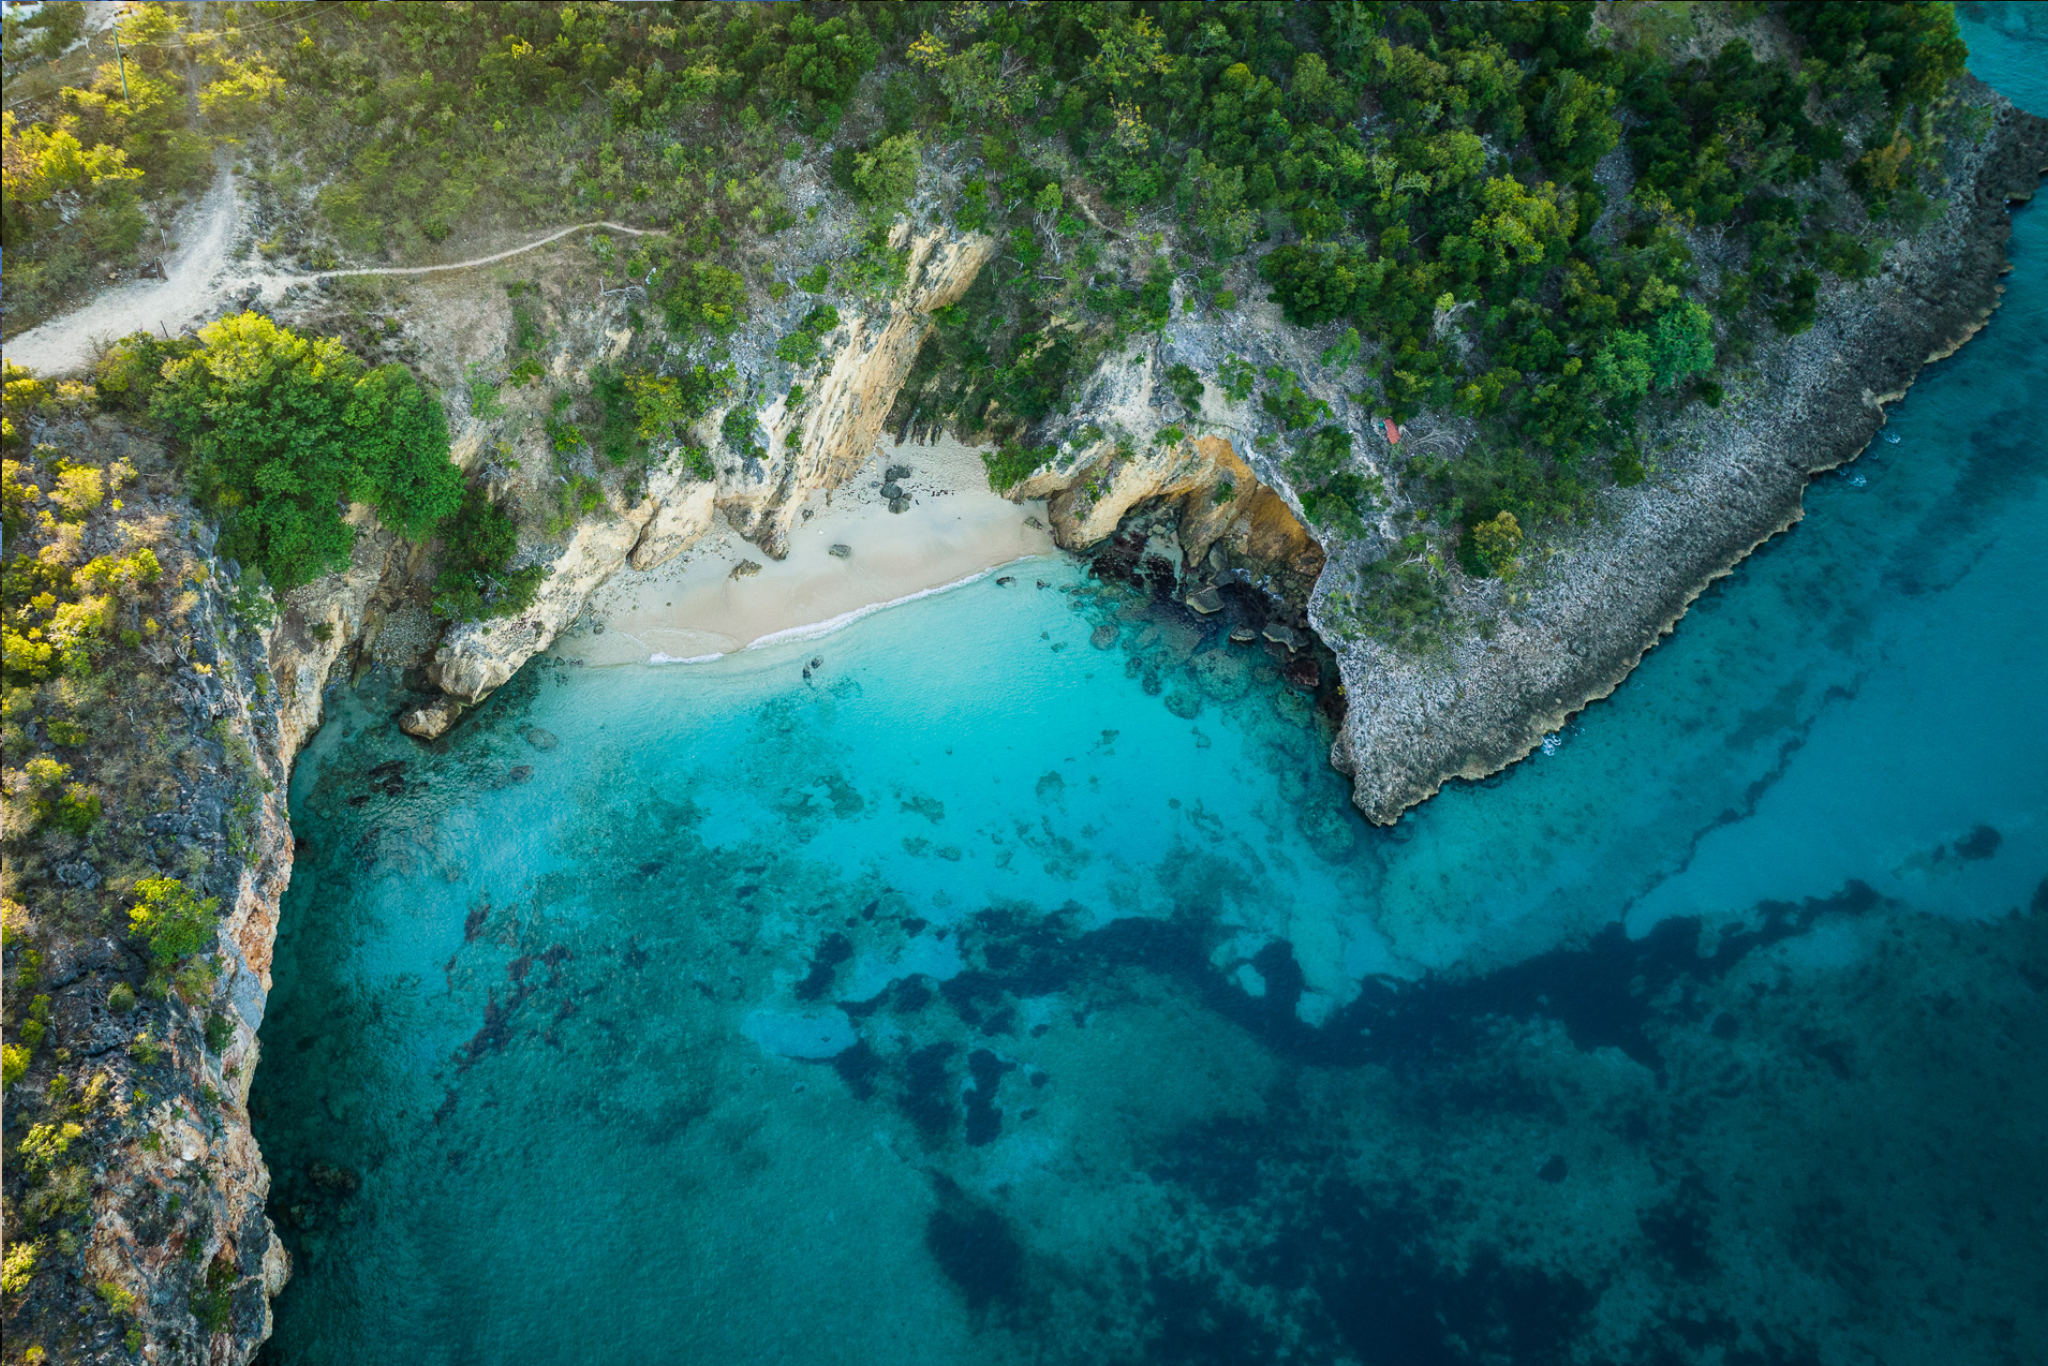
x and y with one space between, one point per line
1123 450
816 448
824 441
682 513
479 657
1216 498
1736 479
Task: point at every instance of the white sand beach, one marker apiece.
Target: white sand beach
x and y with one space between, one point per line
693 607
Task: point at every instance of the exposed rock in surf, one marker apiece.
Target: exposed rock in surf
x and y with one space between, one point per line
1280 633
432 721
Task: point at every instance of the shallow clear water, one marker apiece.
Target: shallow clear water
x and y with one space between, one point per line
989 996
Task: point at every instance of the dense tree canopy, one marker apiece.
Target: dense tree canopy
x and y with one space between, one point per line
285 431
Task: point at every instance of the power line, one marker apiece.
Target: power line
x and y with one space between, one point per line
178 43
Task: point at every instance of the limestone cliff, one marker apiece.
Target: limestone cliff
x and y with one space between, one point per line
815 447
1732 479
820 445
1126 456
1601 595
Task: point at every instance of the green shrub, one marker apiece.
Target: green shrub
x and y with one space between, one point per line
886 176
801 347
1013 462
212 1302
173 921
121 998
1402 596
483 393
1238 378
1496 545
1285 399
284 429
707 296
19 1268
474 583
741 429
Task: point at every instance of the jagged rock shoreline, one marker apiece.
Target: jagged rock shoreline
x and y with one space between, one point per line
1730 479
1736 478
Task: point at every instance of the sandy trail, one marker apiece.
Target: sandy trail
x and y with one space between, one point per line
692 607
200 281
193 287
473 262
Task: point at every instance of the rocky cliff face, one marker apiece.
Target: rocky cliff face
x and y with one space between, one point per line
1412 721
1734 479
816 447
1601 598
821 444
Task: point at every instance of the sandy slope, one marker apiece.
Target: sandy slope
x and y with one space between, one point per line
195 286
692 606
199 281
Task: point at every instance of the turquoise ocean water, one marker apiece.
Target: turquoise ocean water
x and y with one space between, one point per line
953 989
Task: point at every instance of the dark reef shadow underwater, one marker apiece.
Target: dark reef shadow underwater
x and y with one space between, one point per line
954 989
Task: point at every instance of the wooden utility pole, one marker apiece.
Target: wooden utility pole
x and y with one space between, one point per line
124 67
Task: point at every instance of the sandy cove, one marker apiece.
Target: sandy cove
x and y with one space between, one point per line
707 602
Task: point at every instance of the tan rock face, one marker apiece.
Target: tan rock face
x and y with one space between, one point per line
837 427
682 512
818 448
478 658
1221 501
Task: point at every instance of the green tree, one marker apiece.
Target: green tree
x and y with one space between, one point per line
172 920
885 177
1681 344
1497 544
1622 369
284 429
1576 121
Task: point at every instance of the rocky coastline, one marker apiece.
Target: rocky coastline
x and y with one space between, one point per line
1733 479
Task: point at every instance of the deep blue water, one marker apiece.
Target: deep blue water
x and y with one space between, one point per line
988 996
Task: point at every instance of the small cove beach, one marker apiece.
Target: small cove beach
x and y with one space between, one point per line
849 556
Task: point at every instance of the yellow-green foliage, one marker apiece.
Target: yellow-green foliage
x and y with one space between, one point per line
45 1143
1497 542
19 1267
175 922
79 589
75 162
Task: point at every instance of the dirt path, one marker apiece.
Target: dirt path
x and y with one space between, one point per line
192 288
510 252
200 282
